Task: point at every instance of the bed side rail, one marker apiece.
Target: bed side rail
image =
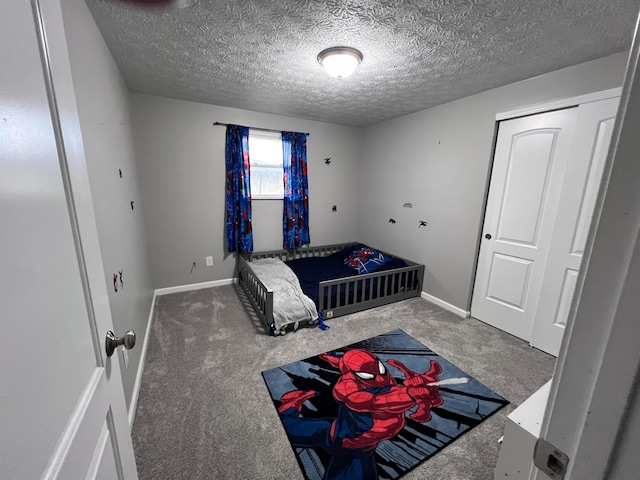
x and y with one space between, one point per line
352 294
259 295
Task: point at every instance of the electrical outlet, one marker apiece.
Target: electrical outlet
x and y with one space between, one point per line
125 356
209 261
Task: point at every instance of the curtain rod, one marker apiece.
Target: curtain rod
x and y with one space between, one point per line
256 128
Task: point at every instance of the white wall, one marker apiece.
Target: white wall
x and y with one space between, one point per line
182 174
102 100
439 160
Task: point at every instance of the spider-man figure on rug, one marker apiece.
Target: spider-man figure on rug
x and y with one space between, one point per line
372 408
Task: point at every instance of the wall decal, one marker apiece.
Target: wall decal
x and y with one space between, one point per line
391 220
407 205
422 223
334 208
327 160
120 172
132 205
192 267
115 282
121 281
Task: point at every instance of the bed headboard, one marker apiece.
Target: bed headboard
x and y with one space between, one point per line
295 253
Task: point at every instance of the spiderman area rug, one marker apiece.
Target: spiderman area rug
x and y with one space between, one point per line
375 409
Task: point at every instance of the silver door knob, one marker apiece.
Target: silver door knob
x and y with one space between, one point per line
112 342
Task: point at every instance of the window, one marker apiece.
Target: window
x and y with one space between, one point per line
265 155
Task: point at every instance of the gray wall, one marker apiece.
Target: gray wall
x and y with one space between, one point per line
439 160
102 99
182 165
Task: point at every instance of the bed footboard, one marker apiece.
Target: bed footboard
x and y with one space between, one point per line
261 297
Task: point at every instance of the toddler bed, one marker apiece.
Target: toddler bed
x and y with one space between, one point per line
338 279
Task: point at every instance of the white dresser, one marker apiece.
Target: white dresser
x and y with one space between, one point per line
521 432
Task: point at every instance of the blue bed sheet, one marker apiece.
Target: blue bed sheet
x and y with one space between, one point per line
313 270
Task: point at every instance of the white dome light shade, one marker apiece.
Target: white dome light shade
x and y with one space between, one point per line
340 62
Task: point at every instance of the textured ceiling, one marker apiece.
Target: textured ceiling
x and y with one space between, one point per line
261 55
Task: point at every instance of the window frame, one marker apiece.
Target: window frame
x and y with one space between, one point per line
280 166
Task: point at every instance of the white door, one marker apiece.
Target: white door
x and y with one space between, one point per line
594 126
529 161
62 408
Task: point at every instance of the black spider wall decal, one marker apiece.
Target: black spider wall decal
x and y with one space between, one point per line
327 160
422 223
391 220
334 208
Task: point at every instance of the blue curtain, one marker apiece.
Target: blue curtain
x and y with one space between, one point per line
296 190
238 188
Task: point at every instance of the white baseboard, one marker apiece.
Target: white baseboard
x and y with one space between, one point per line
145 343
195 286
446 305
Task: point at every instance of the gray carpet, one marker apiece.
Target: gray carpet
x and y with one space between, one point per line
204 411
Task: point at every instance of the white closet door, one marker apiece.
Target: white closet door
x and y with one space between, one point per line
594 126
529 162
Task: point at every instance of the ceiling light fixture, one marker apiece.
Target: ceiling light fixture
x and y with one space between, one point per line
340 62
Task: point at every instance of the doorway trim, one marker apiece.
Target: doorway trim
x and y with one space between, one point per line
593 399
